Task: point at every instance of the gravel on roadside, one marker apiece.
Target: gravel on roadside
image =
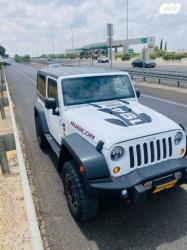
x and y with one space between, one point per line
14 229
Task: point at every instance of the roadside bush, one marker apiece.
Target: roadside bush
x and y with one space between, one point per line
153 56
20 59
118 56
125 57
135 55
172 56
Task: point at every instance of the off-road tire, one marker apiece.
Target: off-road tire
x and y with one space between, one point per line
85 205
40 135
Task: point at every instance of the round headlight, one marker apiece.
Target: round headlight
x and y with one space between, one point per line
178 138
116 153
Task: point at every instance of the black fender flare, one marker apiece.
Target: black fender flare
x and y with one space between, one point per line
85 154
39 111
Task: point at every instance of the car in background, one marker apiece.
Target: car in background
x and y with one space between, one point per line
7 61
143 63
54 65
103 59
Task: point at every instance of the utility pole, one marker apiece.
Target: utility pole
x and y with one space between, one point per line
72 38
36 51
42 48
110 33
52 47
144 61
127 20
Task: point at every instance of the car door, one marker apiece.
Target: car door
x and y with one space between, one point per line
54 118
140 63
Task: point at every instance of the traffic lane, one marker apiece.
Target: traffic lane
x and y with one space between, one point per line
182 68
175 112
26 69
118 226
170 67
164 93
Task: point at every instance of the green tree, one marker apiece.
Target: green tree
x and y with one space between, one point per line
26 58
17 58
20 59
2 50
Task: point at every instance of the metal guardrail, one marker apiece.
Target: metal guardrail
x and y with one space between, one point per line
7 142
3 100
179 77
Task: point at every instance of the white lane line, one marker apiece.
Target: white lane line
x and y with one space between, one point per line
164 100
27 77
36 240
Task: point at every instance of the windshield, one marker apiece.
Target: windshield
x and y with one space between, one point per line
96 89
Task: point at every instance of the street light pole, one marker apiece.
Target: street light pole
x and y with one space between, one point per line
127 31
52 47
72 37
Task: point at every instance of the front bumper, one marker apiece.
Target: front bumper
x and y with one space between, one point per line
132 186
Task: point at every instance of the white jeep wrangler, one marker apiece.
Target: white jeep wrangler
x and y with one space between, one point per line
107 143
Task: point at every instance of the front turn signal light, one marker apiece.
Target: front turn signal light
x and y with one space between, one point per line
82 170
116 170
181 151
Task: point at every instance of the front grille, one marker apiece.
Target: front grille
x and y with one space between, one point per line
150 152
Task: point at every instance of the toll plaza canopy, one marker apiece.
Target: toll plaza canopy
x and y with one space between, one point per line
149 41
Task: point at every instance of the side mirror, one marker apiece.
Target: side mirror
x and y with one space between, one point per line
50 103
138 93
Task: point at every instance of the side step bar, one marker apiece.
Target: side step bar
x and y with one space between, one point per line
54 145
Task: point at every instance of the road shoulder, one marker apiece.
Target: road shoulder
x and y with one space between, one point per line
19 221
166 92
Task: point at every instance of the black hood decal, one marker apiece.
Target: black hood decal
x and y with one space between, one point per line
116 122
126 117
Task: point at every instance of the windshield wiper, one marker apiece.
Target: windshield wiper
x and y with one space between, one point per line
95 105
123 101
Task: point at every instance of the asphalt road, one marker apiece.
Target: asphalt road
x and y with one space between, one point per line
159 224
170 67
174 67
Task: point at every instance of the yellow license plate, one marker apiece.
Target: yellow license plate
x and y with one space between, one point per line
167 185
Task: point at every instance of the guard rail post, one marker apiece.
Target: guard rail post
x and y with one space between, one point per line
7 143
3 103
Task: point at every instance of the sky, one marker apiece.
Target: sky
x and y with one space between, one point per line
30 26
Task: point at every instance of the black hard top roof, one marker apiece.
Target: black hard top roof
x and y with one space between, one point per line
69 71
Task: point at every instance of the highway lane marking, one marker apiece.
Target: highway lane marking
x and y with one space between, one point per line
166 101
146 96
27 77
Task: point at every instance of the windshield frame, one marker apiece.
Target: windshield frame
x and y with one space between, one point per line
97 75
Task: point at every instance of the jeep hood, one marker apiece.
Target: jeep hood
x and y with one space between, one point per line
117 121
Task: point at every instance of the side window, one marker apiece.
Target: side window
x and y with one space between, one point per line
41 84
52 89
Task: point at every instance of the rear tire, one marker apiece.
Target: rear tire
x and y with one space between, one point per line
40 135
82 205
